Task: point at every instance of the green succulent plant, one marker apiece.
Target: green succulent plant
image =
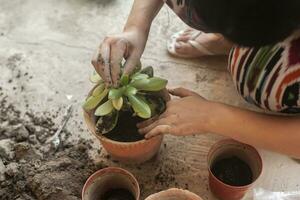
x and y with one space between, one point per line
135 93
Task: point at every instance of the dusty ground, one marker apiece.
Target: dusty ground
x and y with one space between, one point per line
45 52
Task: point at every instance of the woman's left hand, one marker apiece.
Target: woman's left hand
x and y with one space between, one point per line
188 115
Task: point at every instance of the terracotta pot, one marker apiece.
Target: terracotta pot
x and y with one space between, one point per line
109 178
128 152
174 194
227 148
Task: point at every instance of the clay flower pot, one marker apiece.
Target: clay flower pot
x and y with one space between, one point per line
174 194
107 179
225 149
128 152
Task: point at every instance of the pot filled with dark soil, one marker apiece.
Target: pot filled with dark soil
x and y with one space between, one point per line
233 169
111 184
112 114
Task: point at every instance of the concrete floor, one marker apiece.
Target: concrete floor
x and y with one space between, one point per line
53 41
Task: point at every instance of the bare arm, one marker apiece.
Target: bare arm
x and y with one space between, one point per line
277 133
129 44
142 14
192 114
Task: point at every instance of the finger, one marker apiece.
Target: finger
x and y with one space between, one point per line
147 122
117 54
161 121
98 63
130 64
105 52
182 92
162 129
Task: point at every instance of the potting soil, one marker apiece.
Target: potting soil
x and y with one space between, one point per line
126 130
118 194
31 169
232 171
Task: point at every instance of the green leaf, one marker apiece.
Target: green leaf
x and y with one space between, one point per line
140 83
95 78
107 123
98 90
93 101
130 91
152 84
124 79
118 103
104 109
156 104
148 70
140 107
116 93
137 76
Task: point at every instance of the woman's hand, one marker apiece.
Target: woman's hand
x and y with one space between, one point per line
128 45
185 116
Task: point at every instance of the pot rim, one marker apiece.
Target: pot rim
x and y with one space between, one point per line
103 138
107 170
232 140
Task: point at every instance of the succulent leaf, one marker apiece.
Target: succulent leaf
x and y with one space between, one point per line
98 90
104 109
107 123
137 76
130 91
116 93
124 79
139 84
148 70
118 103
152 84
140 107
93 101
95 78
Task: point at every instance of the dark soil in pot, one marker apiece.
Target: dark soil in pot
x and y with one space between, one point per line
232 171
118 194
126 130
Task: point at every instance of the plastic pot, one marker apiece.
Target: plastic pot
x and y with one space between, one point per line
109 178
227 148
174 194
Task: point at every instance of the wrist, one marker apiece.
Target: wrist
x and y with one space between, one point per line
219 119
140 26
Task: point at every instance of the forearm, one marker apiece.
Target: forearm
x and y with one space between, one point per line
276 133
142 14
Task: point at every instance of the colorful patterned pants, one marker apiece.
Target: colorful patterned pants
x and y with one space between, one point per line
268 77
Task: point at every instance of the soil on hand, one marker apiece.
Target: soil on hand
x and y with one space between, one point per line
232 171
118 194
126 130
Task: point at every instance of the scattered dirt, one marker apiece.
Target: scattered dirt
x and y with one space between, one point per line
117 194
232 171
126 130
30 169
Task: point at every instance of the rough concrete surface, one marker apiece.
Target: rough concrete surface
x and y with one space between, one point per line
45 52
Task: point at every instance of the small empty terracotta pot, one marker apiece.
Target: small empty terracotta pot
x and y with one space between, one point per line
225 149
110 179
174 194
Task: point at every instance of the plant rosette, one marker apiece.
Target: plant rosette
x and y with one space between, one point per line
142 96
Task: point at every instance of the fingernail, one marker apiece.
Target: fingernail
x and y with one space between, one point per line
147 137
140 131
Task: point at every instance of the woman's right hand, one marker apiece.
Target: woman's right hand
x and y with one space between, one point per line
128 45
